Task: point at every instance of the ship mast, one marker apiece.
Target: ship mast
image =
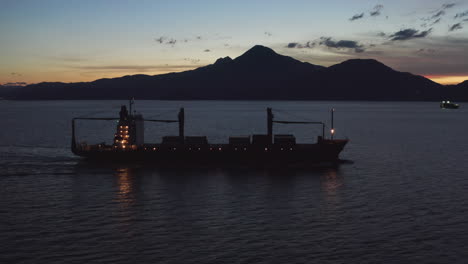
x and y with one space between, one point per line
73 143
130 104
181 118
332 131
270 125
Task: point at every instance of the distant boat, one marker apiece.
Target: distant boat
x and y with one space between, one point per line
448 105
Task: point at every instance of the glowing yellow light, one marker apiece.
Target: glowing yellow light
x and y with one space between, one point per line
332 131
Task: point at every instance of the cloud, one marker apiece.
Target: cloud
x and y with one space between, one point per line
456 26
342 44
356 17
328 42
436 21
15 84
160 40
207 50
460 15
409 33
426 51
381 34
172 41
308 44
438 14
376 10
194 61
447 6
292 45
132 68
16 74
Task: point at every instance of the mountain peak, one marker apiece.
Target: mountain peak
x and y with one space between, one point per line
363 64
223 60
259 51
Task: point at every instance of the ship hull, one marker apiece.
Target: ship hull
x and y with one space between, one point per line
222 155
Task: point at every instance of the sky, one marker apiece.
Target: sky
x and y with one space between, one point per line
85 40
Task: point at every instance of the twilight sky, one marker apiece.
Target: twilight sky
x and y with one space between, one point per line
84 40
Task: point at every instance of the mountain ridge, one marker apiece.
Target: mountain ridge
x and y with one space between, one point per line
258 74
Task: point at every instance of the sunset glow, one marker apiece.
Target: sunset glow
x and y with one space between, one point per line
448 79
87 40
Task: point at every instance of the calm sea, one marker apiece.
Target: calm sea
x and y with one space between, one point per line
401 198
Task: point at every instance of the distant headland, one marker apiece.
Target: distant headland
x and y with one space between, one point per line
258 74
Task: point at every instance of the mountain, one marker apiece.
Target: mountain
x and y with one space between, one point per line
8 90
258 74
456 92
463 84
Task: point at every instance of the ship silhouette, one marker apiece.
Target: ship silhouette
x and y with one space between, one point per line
259 150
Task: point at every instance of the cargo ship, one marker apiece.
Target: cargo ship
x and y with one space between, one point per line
259 150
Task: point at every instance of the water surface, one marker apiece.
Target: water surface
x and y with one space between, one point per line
402 199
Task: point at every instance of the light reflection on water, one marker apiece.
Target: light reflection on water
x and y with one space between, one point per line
125 181
331 183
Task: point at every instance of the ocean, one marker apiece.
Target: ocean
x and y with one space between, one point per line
400 197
